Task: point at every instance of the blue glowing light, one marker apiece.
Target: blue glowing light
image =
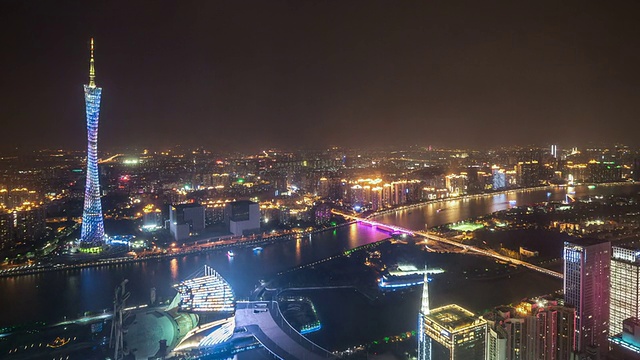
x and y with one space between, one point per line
92 220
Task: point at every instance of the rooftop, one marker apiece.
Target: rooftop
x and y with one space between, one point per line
453 317
186 206
585 242
249 202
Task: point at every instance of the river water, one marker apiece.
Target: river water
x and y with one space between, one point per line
51 296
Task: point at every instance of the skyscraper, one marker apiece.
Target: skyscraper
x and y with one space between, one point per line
424 341
625 287
92 223
456 333
586 287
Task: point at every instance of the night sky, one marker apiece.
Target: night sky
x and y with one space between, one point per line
245 74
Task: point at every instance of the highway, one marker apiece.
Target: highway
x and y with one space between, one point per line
433 237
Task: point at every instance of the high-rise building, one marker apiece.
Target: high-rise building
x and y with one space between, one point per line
456 333
92 222
185 219
535 329
529 173
598 172
549 332
496 343
515 333
586 287
21 225
424 341
499 178
243 217
625 287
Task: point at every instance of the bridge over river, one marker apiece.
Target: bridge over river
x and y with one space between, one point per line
433 237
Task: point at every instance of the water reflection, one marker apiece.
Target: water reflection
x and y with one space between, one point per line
28 299
298 250
173 267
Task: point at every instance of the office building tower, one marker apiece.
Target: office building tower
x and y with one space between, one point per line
598 172
185 219
456 333
515 334
496 343
535 329
586 287
499 178
625 287
243 217
21 225
92 222
549 331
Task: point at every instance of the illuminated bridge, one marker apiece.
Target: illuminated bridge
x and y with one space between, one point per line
432 237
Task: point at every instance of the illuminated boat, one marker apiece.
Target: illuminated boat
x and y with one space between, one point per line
393 283
230 253
58 342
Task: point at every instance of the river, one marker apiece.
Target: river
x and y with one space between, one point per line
51 296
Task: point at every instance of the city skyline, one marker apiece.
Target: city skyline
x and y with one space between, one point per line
238 77
272 170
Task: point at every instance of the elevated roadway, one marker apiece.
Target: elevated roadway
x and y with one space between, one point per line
264 320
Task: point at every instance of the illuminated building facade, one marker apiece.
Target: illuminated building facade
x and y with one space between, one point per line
598 172
92 220
499 179
549 332
586 287
625 287
456 333
208 292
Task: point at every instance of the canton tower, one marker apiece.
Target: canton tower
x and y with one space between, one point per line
92 224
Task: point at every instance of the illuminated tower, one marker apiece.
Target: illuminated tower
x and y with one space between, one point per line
587 286
424 341
92 225
624 298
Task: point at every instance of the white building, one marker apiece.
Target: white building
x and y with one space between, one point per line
625 287
185 219
242 217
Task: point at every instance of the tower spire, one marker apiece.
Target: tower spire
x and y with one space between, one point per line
92 69
424 308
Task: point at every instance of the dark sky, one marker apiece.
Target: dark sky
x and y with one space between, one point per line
245 74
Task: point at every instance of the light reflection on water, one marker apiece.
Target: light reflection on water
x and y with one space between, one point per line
52 295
